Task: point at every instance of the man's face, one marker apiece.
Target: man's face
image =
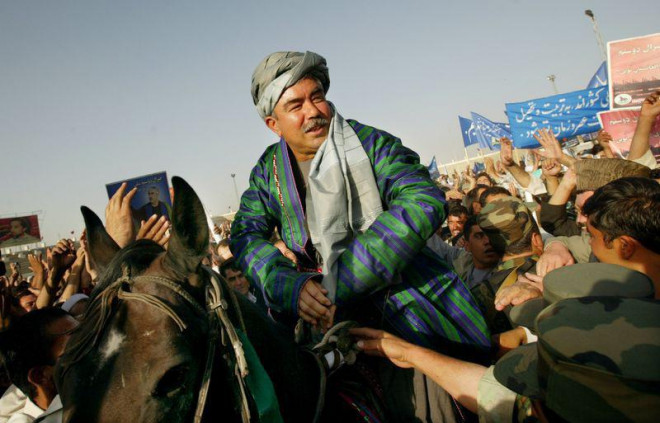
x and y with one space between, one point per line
456 223
16 228
601 248
302 117
483 180
483 254
237 281
153 196
28 302
60 330
580 199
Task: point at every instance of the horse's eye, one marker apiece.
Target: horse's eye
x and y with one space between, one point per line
172 382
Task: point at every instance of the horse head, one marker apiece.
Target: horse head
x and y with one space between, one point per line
140 351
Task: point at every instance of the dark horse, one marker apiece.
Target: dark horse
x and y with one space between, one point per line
142 350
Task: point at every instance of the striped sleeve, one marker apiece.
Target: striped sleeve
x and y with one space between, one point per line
415 208
262 262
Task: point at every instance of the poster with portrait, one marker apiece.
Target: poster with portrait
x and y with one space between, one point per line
621 124
151 198
633 69
19 230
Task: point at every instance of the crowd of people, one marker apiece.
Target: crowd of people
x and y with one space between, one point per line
525 292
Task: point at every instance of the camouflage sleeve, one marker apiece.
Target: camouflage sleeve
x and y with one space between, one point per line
495 401
578 245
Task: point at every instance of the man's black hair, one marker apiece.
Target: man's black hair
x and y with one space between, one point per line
627 206
27 344
230 263
655 173
457 210
484 175
16 298
492 191
467 228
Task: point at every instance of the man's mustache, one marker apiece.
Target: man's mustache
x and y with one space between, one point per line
315 123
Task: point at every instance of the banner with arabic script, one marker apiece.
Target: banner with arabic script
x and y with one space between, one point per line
151 198
634 70
621 124
568 115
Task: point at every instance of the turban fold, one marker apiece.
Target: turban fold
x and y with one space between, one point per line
280 70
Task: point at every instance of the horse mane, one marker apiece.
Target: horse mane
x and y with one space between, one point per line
103 301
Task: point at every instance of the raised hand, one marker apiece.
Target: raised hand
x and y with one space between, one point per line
603 137
63 255
156 230
651 106
89 266
454 195
550 144
551 167
118 217
490 166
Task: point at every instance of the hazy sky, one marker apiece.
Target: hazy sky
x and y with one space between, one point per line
92 92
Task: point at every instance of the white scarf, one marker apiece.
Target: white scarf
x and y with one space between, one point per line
342 197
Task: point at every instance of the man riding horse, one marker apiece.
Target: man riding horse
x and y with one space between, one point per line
356 208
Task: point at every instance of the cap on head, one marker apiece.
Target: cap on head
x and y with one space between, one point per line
506 221
594 173
596 360
583 280
280 70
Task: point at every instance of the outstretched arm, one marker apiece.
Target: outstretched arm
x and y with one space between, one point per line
506 157
459 378
647 117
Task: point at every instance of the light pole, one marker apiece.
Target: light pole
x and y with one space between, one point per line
238 200
552 78
599 38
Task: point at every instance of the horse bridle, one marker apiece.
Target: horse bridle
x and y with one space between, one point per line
220 325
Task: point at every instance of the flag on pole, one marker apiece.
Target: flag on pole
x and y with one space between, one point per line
467 130
488 132
600 77
433 169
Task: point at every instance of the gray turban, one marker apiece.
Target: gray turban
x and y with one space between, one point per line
280 70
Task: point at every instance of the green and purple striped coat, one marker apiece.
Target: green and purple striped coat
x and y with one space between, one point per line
388 266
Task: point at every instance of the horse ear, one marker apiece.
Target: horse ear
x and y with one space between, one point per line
189 239
102 248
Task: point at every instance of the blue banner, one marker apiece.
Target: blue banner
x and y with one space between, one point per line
467 130
600 77
488 132
433 169
568 115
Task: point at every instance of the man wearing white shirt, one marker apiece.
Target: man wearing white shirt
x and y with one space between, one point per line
30 349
